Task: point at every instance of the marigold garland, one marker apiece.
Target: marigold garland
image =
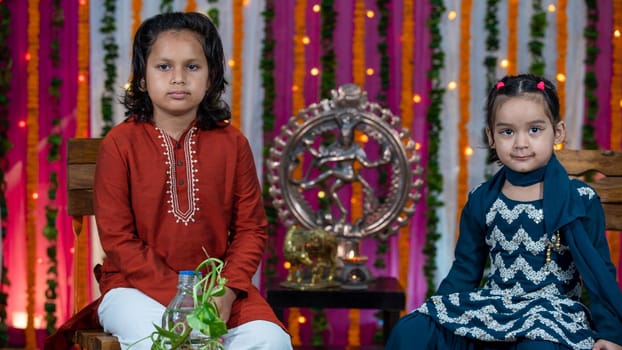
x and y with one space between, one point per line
81 248
32 167
298 103
464 102
137 6
191 6
406 111
5 145
236 65
356 205
512 38
562 51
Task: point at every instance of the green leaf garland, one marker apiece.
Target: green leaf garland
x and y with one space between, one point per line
54 140
434 176
591 82
537 31
111 53
266 65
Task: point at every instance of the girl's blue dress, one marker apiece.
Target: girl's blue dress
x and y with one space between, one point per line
531 295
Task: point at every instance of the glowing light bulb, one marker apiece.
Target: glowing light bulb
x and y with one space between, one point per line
552 8
306 40
504 63
315 71
369 71
452 85
468 151
302 319
561 77
416 98
451 15
231 63
370 14
316 8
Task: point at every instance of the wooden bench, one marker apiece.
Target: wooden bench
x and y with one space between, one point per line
81 157
96 339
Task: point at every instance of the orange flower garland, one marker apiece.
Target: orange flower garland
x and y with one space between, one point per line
32 167
356 205
191 6
81 247
236 64
293 325
406 110
137 5
464 99
562 51
512 37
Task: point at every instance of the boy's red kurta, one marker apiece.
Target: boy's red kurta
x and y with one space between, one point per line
161 205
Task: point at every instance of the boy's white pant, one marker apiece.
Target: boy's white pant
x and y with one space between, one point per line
129 314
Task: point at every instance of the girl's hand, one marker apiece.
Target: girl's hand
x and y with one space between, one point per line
603 344
224 303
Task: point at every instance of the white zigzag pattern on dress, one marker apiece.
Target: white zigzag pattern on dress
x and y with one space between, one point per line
534 275
520 237
510 215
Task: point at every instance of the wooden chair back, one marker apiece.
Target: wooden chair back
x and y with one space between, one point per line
81 157
578 163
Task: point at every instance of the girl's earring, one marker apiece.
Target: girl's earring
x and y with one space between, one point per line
142 86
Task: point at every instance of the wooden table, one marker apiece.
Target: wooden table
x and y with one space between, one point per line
384 293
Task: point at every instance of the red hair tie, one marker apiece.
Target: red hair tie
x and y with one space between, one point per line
540 85
500 85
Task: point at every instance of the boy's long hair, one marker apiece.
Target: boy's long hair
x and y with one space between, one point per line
213 112
523 85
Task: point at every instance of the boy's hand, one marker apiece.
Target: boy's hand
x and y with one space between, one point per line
225 302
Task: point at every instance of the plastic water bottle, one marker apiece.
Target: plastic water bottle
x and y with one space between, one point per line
183 304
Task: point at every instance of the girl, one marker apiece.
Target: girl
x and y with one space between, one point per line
539 229
176 179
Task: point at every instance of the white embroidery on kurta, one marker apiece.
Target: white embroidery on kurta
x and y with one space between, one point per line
191 180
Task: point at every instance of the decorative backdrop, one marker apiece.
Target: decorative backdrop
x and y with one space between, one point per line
63 65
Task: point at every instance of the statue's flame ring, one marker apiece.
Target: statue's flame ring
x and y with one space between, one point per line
377 123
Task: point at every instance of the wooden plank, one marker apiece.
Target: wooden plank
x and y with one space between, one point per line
80 176
84 150
577 162
613 217
80 202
